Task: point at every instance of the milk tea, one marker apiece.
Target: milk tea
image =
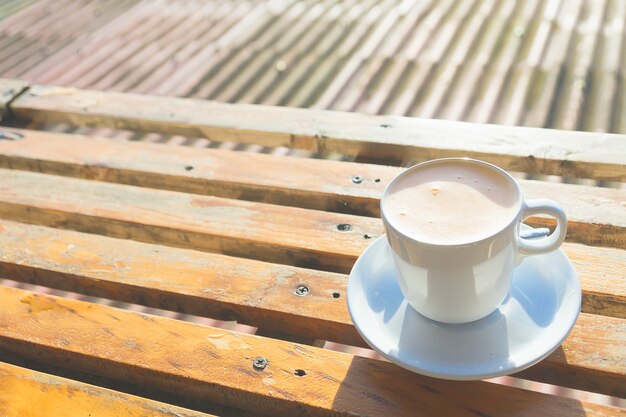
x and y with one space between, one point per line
451 202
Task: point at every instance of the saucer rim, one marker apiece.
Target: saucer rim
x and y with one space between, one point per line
574 281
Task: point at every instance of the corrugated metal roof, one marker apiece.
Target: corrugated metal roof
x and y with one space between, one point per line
547 63
9 7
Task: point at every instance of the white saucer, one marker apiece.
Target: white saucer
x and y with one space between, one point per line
533 321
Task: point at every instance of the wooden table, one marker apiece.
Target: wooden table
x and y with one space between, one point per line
264 240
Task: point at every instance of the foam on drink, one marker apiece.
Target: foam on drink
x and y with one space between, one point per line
451 202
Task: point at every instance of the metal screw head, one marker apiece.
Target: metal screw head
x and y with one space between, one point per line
259 363
344 227
302 290
357 179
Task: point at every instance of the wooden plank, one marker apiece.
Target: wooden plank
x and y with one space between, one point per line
586 345
204 284
591 358
263 295
9 90
303 182
217 365
571 154
259 294
280 234
596 214
601 272
289 235
35 394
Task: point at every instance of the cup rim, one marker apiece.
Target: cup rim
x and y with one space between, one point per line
519 203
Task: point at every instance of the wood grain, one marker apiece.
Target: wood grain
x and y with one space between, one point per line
255 230
566 153
302 182
263 231
217 365
597 215
602 275
204 284
9 89
256 293
27 393
585 347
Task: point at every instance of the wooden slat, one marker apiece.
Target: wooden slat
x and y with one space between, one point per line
34 394
9 89
252 292
204 284
254 230
586 346
303 182
217 365
602 275
597 215
572 154
263 295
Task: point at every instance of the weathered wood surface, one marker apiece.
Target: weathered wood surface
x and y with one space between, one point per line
602 275
567 153
248 229
576 363
303 182
599 214
596 216
9 89
217 365
258 230
205 284
256 293
252 292
27 393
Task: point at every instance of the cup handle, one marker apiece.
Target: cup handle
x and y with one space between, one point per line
547 243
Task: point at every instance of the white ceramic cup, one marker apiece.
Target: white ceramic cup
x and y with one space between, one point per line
460 283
